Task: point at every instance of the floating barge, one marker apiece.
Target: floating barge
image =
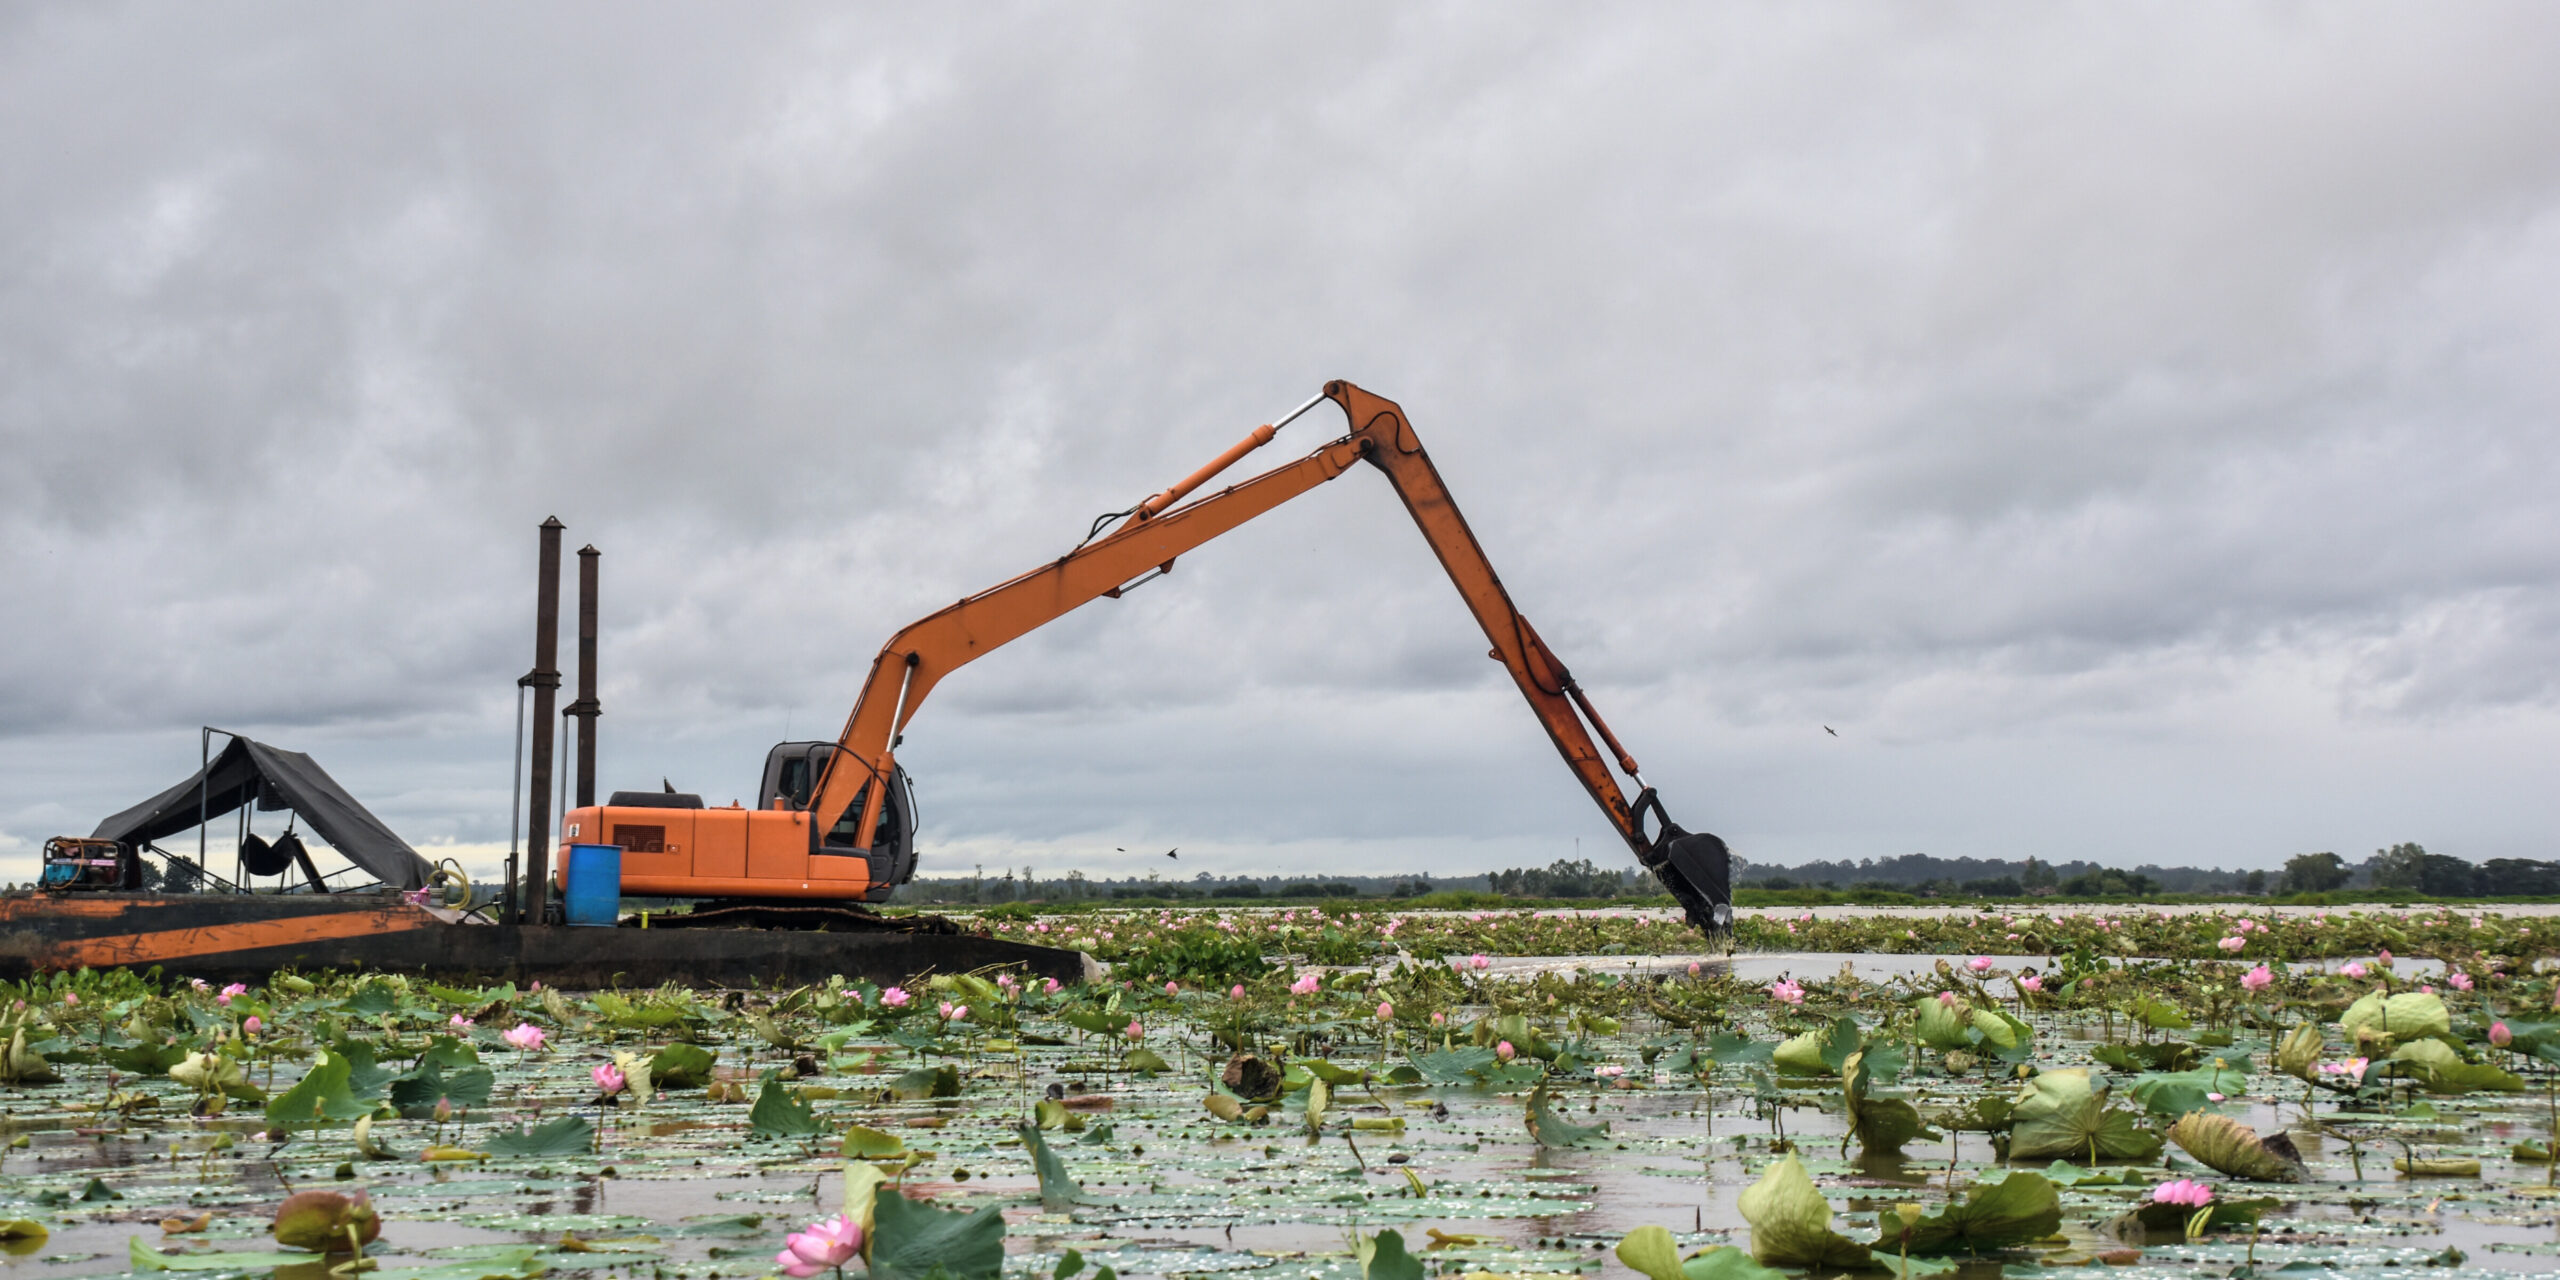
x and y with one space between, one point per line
228 937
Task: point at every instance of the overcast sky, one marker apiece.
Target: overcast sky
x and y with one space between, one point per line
2132 428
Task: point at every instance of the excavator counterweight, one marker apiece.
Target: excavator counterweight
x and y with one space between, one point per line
836 821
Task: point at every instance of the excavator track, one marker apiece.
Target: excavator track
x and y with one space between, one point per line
819 917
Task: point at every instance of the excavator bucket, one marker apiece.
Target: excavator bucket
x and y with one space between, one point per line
1698 871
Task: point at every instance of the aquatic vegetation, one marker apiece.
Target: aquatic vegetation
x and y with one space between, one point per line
1340 1089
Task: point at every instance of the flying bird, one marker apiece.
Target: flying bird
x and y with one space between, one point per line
1829 730
1174 852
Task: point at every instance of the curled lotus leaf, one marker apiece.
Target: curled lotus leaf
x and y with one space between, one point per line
2228 1146
1791 1223
2022 1207
2406 1016
2001 1031
2059 1115
320 1221
22 1065
1881 1125
1801 1055
208 1072
2299 1055
1942 1024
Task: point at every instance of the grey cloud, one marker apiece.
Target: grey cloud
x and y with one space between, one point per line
2008 388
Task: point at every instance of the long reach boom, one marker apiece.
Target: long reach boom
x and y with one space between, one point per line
1694 867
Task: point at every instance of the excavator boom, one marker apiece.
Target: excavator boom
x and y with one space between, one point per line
1695 867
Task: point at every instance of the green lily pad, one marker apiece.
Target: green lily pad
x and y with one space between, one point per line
1552 1132
415 1095
780 1113
912 1241
1059 1192
565 1136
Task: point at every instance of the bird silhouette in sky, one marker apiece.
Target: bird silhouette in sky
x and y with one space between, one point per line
1829 730
1174 852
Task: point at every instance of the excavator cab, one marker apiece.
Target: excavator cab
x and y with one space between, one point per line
791 774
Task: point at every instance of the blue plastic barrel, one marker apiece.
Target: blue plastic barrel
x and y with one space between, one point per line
593 894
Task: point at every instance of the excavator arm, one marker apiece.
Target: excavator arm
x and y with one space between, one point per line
1694 867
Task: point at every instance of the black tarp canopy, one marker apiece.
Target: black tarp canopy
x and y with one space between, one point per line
248 771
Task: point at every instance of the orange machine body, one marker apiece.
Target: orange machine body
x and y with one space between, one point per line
730 852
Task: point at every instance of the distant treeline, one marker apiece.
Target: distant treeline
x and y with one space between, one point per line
2406 867
1579 878
2402 866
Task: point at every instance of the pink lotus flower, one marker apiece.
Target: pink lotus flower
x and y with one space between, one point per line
1947 998
459 1021
2458 980
1005 980
1307 984
956 1012
1505 1052
524 1036
2351 1067
2500 1036
2216 1097
827 1245
253 1026
1609 1073
2258 979
1134 1031
1787 991
1979 964
1480 960
2353 969
609 1079
895 998
2384 956
2031 983
1439 1019
2185 1193
1173 988
1051 988
2233 943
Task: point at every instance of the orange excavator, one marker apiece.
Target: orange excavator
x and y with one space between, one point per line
834 822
